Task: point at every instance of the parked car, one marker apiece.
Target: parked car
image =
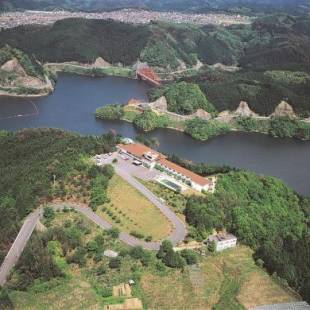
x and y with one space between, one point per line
137 163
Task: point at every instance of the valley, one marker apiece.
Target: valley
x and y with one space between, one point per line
154 155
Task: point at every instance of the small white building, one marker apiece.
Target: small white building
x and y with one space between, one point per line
222 241
110 253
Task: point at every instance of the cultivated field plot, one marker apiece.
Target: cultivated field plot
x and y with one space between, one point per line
130 211
229 280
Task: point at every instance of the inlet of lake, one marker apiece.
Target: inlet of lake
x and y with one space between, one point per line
71 107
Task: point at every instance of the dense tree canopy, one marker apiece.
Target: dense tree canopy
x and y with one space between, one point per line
264 214
183 98
29 162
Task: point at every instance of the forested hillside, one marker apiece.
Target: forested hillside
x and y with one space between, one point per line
80 40
264 213
272 55
29 162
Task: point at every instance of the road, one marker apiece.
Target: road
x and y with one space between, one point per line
179 231
30 222
19 244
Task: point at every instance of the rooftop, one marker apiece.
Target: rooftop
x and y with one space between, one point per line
139 150
191 175
221 237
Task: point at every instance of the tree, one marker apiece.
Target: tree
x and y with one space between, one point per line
189 256
48 214
112 111
173 259
147 121
169 257
114 232
212 246
5 300
164 248
203 130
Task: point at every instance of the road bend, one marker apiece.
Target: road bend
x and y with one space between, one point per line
178 234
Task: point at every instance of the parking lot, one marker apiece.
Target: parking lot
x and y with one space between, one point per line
125 163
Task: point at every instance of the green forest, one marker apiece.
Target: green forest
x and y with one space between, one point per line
36 164
30 160
183 98
271 55
264 214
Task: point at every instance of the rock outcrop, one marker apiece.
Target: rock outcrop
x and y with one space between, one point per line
284 110
225 116
159 104
243 110
13 65
101 63
42 85
200 113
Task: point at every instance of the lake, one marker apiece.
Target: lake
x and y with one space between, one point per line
75 99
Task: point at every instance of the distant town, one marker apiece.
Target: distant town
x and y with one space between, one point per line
14 19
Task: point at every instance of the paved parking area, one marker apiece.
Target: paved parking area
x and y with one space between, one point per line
127 165
137 171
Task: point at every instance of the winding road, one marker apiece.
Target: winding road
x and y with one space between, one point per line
32 219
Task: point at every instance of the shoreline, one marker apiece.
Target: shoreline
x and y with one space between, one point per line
235 130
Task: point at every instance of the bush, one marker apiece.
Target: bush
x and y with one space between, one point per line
173 259
189 256
92 246
115 263
5 300
137 234
113 112
102 269
283 127
203 130
168 256
149 120
114 232
148 238
212 246
78 257
106 292
138 253
48 214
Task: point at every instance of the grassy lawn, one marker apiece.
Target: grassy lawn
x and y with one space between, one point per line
130 211
130 113
175 200
228 280
79 69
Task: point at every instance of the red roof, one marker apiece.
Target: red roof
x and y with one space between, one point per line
138 150
191 175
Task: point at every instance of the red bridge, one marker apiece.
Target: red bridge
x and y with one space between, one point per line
145 73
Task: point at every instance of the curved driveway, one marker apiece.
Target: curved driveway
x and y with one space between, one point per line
31 220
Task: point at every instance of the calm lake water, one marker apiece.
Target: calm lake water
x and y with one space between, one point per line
75 99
